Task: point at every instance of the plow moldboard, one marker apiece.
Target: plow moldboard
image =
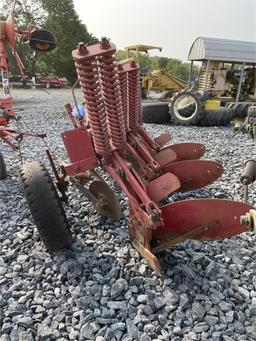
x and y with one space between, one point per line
188 151
162 186
222 217
163 139
194 174
165 156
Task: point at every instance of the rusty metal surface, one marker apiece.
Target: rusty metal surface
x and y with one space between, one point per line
194 174
105 202
161 187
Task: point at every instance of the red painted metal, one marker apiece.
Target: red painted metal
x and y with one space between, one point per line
165 156
9 134
163 139
112 98
188 150
90 84
80 150
124 95
163 186
194 174
145 172
183 216
134 95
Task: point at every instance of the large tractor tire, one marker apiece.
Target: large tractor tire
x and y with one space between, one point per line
3 173
240 109
156 112
45 206
251 111
186 107
221 117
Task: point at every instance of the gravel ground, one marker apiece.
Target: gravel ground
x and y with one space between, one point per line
101 289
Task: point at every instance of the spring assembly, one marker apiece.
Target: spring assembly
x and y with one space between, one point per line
90 85
134 95
112 98
124 93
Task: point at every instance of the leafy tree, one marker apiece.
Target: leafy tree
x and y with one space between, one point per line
68 30
162 62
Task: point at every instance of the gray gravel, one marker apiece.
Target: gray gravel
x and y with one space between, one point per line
101 289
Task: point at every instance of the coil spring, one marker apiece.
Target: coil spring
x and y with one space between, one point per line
134 95
112 97
124 95
89 81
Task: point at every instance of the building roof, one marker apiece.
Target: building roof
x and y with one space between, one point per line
225 50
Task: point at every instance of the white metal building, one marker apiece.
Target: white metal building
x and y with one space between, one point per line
225 50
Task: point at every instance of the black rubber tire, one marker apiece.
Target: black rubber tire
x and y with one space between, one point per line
187 111
221 117
42 40
251 110
3 173
239 109
156 112
45 206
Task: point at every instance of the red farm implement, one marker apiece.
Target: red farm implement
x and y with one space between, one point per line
115 141
39 40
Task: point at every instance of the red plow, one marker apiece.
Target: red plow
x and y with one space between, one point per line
147 171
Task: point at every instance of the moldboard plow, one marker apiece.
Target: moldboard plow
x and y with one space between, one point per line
114 140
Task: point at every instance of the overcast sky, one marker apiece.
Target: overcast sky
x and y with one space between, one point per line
171 24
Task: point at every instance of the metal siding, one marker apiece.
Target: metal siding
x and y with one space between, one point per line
223 50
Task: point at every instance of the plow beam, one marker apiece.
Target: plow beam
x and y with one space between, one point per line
194 174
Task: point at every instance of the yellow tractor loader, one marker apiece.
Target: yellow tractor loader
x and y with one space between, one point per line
160 81
156 80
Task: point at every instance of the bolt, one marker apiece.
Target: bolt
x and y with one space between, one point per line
82 48
104 43
133 63
244 220
120 67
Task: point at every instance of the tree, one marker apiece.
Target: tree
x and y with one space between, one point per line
64 23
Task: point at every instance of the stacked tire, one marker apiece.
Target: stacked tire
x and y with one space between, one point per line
155 112
194 112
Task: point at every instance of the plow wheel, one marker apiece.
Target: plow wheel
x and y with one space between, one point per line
104 200
194 174
3 173
45 206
